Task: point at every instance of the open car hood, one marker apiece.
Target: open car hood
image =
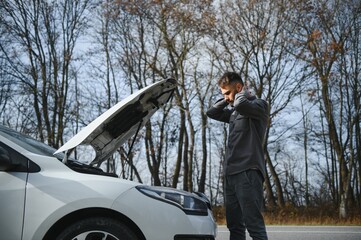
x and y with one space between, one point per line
115 126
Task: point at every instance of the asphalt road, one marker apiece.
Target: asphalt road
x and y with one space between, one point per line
303 233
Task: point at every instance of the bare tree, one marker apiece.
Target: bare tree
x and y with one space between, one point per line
43 40
204 85
322 39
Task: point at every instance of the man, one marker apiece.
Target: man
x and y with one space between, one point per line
244 168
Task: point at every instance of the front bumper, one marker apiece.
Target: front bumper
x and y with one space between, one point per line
159 220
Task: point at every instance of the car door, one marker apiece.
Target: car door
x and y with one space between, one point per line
13 180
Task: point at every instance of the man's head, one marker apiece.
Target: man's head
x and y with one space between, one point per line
230 84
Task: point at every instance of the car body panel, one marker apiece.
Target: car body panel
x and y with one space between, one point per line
12 195
63 192
115 126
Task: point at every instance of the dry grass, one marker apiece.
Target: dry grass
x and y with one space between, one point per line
300 216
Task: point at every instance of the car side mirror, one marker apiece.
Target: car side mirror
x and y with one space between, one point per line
5 160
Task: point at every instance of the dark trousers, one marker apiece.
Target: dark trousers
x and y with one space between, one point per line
244 202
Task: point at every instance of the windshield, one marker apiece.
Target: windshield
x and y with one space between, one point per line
28 143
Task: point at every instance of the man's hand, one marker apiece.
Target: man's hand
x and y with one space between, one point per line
246 92
221 103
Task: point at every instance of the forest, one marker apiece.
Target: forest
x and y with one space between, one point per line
64 62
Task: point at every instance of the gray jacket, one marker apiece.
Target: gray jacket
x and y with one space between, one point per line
248 121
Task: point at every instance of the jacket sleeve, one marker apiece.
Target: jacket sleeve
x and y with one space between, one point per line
219 111
250 106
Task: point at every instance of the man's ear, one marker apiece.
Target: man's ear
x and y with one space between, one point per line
239 87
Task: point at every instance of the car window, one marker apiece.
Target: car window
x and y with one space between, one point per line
22 164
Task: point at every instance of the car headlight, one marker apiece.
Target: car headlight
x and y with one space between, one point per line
190 203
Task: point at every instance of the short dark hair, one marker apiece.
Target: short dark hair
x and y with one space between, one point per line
229 78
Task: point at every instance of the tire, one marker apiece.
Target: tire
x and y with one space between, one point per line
97 228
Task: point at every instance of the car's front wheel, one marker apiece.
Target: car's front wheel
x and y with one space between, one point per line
97 228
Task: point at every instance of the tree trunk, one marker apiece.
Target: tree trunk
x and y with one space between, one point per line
202 180
269 193
180 149
151 156
280 198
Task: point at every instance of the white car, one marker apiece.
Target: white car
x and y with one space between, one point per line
45 195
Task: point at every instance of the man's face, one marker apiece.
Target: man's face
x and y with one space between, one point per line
229 91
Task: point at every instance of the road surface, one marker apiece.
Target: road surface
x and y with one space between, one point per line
303 233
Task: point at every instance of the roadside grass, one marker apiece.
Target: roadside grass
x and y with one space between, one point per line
326 215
